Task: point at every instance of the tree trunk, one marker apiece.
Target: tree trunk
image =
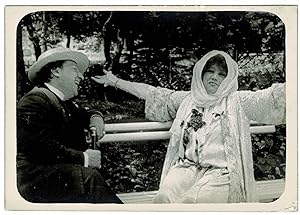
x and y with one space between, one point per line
68 18
107 37
45 21
130 47
68 39
22 81
115 67
110 35
32 36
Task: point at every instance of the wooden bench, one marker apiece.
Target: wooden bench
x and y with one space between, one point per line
268 190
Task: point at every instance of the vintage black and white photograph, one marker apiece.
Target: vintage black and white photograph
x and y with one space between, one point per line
157 107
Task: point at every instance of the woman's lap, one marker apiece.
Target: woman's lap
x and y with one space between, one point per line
193 185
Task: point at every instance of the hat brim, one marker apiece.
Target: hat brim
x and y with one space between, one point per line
79 58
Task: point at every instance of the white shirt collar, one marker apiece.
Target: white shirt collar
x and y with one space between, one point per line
55 91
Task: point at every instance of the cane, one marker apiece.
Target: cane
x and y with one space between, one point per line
94 137
91 138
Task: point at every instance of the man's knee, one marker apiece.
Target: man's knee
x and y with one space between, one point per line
92 175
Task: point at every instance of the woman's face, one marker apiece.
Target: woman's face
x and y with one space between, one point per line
213 77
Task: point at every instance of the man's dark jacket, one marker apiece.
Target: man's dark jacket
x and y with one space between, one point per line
50 145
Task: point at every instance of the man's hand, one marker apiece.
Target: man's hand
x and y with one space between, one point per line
97 122
94 158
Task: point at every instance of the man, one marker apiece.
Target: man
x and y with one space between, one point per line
53 162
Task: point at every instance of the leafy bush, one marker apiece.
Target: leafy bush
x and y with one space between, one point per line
269 154
133 167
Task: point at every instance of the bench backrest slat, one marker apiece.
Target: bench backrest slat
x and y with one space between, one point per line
145 131
144 126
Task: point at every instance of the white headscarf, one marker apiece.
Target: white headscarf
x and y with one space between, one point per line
230 84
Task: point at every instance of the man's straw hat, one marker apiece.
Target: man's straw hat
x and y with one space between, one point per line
58 54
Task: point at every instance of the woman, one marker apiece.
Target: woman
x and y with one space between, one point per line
209 157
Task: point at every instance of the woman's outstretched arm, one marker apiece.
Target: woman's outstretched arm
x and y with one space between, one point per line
265 106
137 89
161 103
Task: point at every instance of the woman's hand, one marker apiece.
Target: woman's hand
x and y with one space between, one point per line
139 90
107 79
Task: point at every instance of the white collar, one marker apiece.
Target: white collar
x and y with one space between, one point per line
55 91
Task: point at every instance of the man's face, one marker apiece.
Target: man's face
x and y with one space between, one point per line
212 78
69 79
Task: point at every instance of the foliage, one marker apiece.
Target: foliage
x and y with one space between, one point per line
43 30
259 71
269 154
80 24
131 167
